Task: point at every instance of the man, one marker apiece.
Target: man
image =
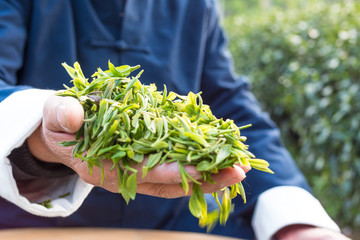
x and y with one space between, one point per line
178 43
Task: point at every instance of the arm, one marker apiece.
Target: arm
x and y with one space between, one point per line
299 215
15 128
21 113
303 231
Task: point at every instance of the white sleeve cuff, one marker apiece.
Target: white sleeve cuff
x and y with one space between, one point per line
21 114
282 206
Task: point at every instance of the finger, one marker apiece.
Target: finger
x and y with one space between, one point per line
246 168
110 181
159 184
63 114
163 190
107 181
165 173
226 177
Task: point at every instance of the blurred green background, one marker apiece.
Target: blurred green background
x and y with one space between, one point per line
303 60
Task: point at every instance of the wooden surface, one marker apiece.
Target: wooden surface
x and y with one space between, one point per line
102 234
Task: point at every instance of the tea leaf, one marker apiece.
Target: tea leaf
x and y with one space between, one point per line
224 152
131 186
153 159
68 143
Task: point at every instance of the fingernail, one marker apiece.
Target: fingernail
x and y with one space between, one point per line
62 118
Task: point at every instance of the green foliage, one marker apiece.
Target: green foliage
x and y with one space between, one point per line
304 67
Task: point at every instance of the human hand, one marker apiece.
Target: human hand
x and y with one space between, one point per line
307 232
63 116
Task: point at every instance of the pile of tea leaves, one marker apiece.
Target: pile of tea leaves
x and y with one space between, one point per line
128 122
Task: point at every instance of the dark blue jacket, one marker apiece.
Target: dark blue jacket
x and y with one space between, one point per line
178 43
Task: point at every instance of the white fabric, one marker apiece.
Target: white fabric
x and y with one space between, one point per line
286 205
21 114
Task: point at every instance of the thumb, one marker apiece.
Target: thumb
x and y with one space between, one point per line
63 114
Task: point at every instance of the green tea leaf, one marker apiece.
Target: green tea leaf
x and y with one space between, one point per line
241 191
197 138
138 157
68 143
131 186
148 123
118 155
195 205
203 166
184 182
226 206
224 152
153 159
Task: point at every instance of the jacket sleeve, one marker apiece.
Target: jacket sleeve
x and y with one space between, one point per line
21 113
230 97
12 40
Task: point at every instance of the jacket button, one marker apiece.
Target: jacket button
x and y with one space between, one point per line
121 45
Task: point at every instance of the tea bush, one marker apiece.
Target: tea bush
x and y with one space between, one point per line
304 64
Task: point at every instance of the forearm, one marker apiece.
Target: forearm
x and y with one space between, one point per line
288 205
14 129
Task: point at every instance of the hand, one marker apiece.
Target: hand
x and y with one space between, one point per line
306 232
63 116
